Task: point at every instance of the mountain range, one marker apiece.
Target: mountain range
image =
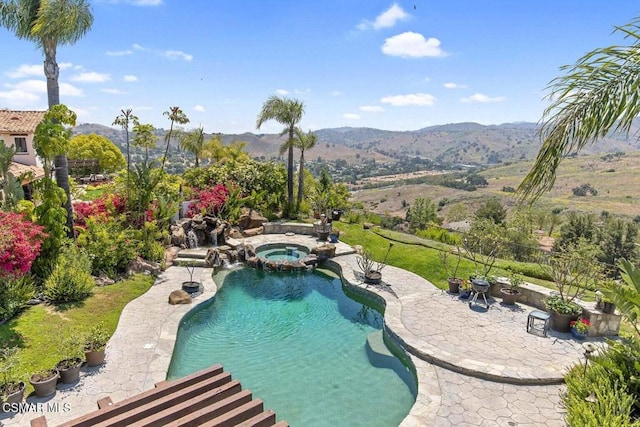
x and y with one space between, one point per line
469 143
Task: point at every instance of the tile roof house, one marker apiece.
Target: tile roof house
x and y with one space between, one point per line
17 129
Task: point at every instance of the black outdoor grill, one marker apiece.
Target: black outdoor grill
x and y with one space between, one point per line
480 287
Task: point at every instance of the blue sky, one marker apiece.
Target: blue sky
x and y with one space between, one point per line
391 65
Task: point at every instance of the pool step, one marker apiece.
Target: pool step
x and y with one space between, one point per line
184 261
379 354
209 398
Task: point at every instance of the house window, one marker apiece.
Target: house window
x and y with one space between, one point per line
20 144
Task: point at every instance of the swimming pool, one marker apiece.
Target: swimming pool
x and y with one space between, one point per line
299 344
279 252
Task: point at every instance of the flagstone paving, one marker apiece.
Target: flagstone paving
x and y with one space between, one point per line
453 347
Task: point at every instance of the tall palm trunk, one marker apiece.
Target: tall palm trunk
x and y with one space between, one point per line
290 172
51 72
300 182
166 150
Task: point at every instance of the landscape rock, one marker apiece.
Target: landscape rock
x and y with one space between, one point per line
179 297
324 252
213 259
250 218
170 254
140 265
253 232
104 281
368 225
178 236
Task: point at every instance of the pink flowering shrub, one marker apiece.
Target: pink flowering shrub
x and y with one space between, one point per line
208 200
105 207
20 242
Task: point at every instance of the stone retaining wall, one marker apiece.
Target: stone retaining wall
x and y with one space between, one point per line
602 324
288 227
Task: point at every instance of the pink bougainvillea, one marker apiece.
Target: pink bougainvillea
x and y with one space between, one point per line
107 205
208 200
20 242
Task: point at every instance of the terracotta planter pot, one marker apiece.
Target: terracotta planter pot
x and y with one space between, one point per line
562 322
94 358
44 385
16 394
509 296
454 285
69 370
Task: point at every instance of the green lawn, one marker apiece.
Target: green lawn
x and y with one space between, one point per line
420 255
40 330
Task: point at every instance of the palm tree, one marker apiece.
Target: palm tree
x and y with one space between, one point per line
126 118
214 150
599 93
289 113
176 115
303 142
194 143
49 24
144 137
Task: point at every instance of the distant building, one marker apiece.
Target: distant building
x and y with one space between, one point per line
16 130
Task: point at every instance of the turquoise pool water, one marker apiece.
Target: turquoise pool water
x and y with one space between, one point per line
281 252
299 344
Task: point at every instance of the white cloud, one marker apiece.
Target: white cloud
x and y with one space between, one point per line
282 92
336 93
351 116
386 19
25 70
412 45
371 108
18 96
130 78
119 52
138 47
66 65
114 91
427 79
480 97
451 85
91 77
420 99
199 108
35 87
178 54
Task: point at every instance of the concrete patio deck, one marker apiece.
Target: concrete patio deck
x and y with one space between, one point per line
474 367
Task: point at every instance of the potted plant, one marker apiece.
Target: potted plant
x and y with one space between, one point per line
465 289
572 272
371 268
192 286
95 344
452 269
334 236
44 382
69 367
511 292
608 307
580 328
11 389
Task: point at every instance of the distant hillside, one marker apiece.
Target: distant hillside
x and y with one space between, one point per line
467 143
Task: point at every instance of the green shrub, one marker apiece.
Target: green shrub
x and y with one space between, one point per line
607 393
440 235
14 293
71 277
353 217
526 269
110 247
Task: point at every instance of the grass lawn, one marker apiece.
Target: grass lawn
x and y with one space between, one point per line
420 255
40 330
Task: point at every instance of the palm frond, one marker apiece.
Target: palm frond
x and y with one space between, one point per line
599 94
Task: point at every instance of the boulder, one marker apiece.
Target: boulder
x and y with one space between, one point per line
249 251
178 236
250 219
104 281
253 232
358 249
213 259
324 251
179 297
234 233
170 254
140 265
368 225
